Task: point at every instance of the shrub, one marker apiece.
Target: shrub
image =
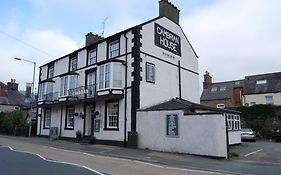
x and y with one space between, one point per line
13 124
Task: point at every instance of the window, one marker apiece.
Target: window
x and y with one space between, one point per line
73 63
269 99
49 91
92 56
223 88
117 75
112 115
91 84
113 49
252 103
69 121
41 91
47 118
261 82
150 72
221 106
68 84
233 122
110 75
51 71
214 89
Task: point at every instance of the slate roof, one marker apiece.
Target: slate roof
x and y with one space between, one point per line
182 104
272 85
220 93
12 97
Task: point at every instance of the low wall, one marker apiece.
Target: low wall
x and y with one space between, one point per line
197 134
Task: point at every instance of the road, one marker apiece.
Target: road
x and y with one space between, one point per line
262 158
103 164
21 163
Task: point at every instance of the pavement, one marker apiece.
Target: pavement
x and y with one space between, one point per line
225 166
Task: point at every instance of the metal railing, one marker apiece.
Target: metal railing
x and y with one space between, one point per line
81 92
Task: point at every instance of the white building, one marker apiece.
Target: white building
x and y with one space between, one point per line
98 88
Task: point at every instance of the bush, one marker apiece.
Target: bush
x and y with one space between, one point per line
13 124
267 133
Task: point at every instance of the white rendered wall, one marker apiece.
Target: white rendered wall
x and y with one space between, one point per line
260 98
167 76
198 134
234 137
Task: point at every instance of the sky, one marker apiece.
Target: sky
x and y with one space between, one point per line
232 38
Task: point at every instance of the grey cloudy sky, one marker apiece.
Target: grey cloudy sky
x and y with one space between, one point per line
232 38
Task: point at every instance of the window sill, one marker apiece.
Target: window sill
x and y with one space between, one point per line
111 129
68 128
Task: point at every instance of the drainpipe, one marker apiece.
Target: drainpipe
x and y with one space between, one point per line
125 107
179 66
60 120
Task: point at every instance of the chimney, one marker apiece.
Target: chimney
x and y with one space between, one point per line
207 80
28 90
2 89
91 38
12 85
167 9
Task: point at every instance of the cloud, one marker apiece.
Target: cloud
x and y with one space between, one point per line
235 38
41 46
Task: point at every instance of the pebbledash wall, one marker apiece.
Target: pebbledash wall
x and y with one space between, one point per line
155 62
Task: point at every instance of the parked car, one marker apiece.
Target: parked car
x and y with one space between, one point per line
248 134
278 134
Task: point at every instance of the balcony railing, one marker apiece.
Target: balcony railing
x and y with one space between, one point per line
81 92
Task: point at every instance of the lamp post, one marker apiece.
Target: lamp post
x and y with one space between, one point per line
32 93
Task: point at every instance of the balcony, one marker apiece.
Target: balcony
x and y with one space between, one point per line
82 93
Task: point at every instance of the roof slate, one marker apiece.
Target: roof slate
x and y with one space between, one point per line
272 85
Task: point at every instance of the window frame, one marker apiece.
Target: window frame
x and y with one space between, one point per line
109 52
89 58
106 77
51 67
106 120
45 118
67 86
147 64
66 125
233 122
271 102
71 58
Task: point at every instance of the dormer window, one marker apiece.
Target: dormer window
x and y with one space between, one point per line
223 88
214 89
261 82
113 49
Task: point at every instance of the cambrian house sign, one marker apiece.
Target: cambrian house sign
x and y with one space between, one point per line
167 40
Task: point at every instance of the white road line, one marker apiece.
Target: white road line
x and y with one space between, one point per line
145 163
56 161
246 155
193 170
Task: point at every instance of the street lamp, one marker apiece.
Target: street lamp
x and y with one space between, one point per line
32 93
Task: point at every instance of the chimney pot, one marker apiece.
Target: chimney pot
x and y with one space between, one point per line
207 80
167 9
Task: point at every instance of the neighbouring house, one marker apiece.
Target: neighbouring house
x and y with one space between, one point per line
226 94
262 89
254 89
99 88
10 98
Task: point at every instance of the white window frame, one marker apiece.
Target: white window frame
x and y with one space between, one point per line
70 115
112 115
233 122
91 83
51 71
92 56
67 83
214 89
269 99
113 49
110 76
221 106
150 72
47 118
73 63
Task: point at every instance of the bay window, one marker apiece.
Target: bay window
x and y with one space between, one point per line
46 91
110 75
68 84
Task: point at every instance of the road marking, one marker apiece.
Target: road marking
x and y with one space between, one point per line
192 170
145 163
246 155
55 161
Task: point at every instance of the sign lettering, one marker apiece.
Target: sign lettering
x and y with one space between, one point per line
167 40
172 128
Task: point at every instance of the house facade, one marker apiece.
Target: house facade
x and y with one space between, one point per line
262 89
98 88
226 94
